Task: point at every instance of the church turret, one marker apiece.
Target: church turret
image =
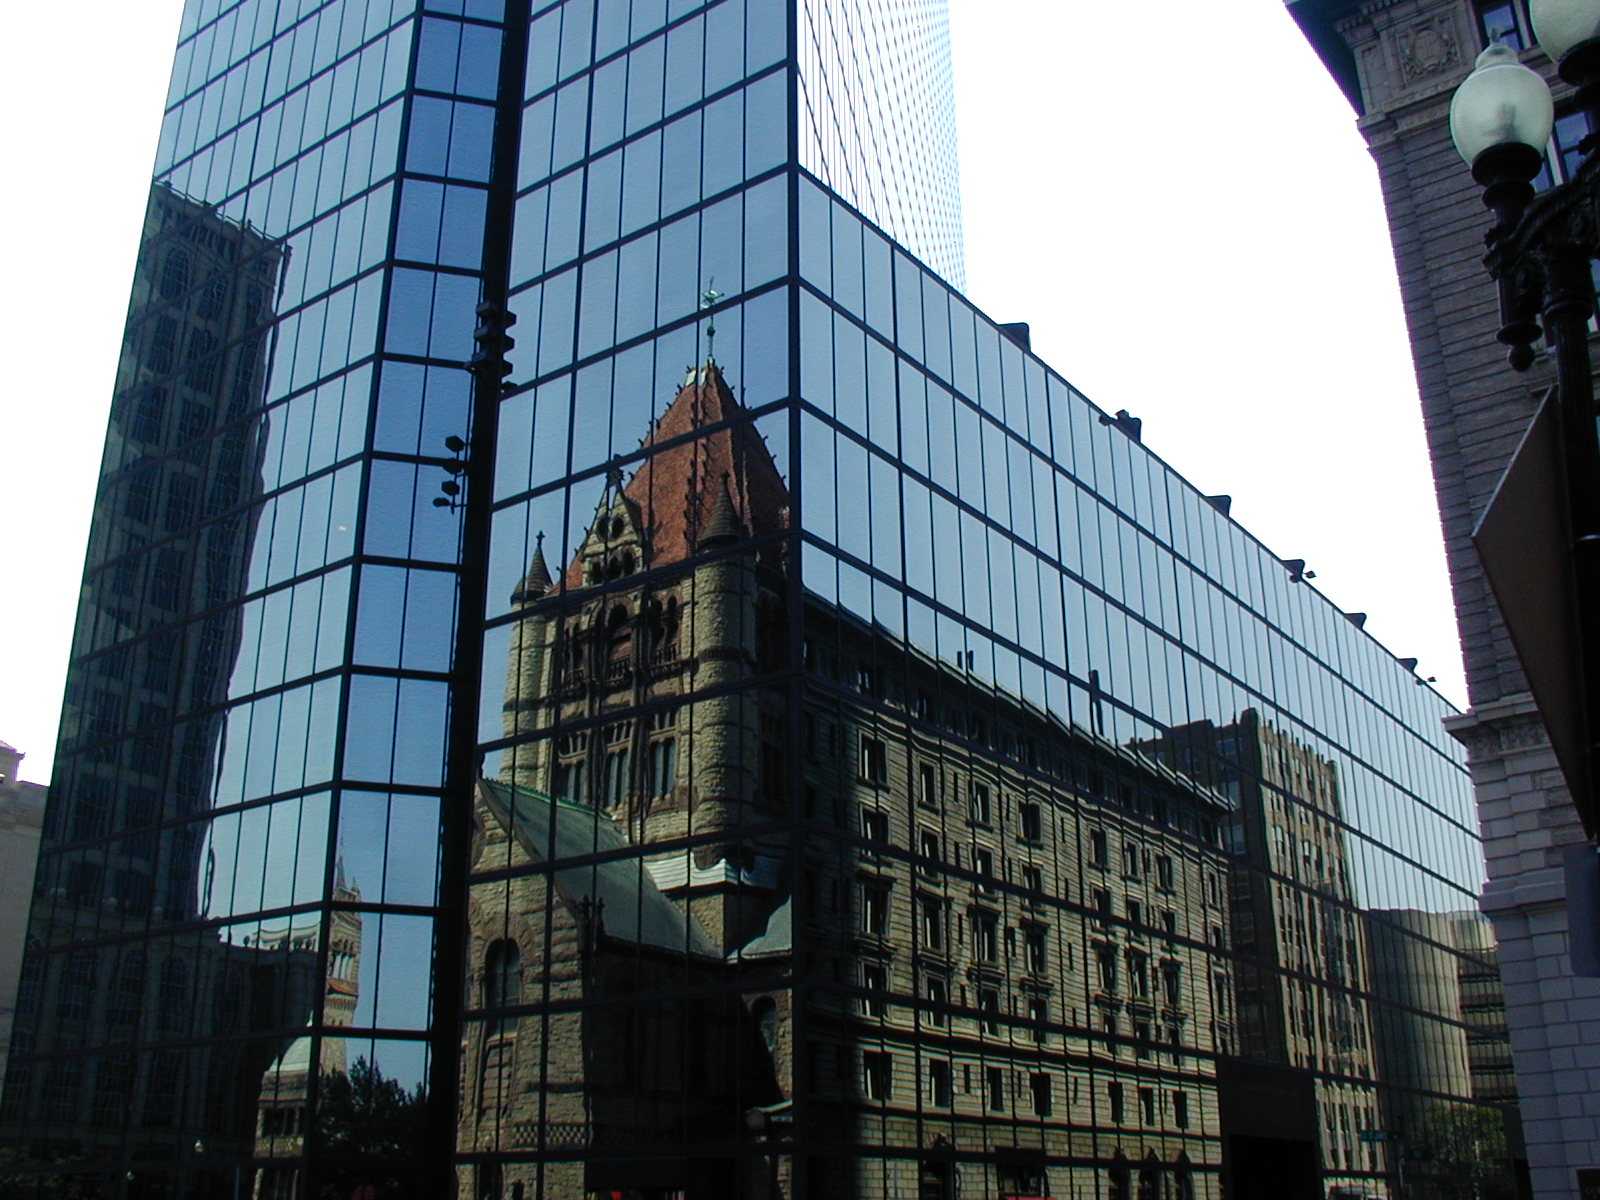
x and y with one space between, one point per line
722 623
527 673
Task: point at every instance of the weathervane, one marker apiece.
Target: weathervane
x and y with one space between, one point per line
707 298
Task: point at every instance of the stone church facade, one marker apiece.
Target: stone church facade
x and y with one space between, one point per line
978 949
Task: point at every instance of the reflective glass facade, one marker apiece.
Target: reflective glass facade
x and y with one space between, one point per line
864 769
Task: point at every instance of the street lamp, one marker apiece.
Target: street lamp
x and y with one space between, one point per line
1539 539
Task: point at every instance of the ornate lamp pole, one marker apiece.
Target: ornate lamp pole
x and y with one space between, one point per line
1540 253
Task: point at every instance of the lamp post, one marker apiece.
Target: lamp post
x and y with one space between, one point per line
1540 254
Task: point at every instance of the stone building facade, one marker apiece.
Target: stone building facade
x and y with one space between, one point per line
1400 63
1003 937
21 822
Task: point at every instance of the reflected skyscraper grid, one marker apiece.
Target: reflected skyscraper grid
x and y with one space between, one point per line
889 778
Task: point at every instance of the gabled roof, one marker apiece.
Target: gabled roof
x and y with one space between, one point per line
676 491
631 907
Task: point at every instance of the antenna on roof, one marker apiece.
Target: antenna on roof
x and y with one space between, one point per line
707 298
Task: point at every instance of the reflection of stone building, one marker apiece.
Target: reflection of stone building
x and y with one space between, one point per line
1006 921
1399 65
1441 1033
21 821
1303 970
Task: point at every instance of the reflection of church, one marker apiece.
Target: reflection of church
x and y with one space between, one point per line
283 1111
1004 918
690 928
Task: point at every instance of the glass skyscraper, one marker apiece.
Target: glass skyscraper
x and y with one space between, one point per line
600 673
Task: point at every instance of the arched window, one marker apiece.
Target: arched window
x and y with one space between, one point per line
1183 1177
502 984
1150 1178
1121 1178
502 987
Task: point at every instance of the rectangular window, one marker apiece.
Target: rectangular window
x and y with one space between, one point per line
876 982
1147 1105
1106 962
1114 1097
875 909
1032 823
927 786
875 826
1033 881
877 1072
1135 916
938 999
932 922
1036 942
1139 974
1099 849
1040 1086
1497 22
874 761
616 778
568 783
983 864
1130 860
867 679
1180 1110
996 1080
663 766
939 1084
989 1003
1164 872
929 851
1039 1015
985 937
1101 899
1141 1039
978 803
1172 983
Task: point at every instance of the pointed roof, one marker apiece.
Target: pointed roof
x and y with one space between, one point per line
678 491
722 525
537 581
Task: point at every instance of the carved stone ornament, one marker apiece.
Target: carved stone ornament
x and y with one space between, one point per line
1497 738
1428 48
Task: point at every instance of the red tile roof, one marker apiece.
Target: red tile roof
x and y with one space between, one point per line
675 491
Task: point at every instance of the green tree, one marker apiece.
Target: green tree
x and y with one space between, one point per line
1460 1153
370 1130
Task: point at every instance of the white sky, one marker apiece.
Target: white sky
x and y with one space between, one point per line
1187 218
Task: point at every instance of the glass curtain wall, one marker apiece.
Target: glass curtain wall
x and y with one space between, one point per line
891 778
231 939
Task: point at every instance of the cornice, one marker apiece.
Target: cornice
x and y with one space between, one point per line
1499 727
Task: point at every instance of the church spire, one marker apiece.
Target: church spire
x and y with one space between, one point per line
537 581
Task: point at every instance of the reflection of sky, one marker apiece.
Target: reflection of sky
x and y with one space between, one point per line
404 1062
267 857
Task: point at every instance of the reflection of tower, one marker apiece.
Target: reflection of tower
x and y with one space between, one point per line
283 1114
158 633
597 644
177 453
